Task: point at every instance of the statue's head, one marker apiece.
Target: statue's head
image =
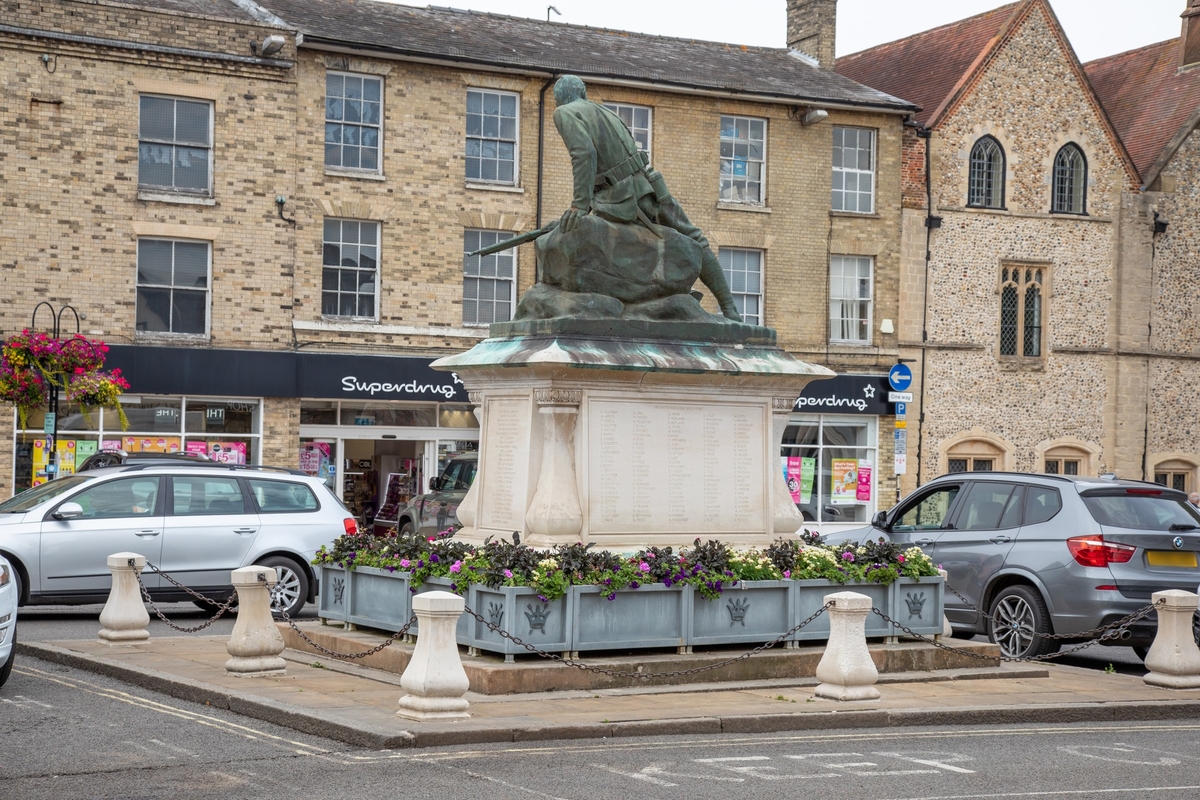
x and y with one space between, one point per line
568 89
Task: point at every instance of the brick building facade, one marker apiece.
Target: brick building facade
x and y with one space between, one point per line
278 254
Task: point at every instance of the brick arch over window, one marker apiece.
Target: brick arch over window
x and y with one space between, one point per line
1177 470
975 451
1067 456
1070 177
985 184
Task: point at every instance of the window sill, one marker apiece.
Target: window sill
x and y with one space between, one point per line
171 337
855 214
337 320
494 187
843 346
343 325
365 175
171 197
754 208
987 210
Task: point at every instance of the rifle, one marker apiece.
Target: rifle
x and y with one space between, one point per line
514 241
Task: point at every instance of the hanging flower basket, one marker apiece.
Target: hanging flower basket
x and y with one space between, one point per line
31 364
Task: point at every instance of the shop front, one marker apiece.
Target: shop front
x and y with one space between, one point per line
376 429
831 452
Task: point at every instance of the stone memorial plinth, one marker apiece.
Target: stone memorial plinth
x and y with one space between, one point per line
590 432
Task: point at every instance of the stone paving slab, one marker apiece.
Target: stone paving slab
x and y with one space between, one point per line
357 705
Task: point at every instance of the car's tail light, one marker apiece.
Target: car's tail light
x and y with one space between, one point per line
1093 551
351 525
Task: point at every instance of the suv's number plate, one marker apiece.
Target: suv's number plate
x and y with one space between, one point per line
1170 558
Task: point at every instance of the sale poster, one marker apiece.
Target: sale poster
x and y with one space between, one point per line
40 461
313 457
864 482
791 474
843 489
66 456
198 448
227 452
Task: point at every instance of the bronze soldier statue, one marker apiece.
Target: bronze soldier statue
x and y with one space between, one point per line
613 180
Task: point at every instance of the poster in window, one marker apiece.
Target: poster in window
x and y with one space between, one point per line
863 495
40 461
791 475
197 447
843 489
313 457
227 452
85 448
808 476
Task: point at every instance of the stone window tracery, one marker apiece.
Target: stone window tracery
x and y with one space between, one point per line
1021 310
986 185
1070 181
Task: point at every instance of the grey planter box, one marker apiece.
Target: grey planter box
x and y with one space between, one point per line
750 612
918 604
333 601
649 616
379 598
810 595
517 610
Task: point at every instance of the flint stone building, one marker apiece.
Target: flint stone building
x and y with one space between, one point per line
264 208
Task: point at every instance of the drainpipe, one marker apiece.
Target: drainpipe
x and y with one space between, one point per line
931 222
541 143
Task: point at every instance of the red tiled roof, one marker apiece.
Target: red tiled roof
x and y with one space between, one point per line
926 68
1146 100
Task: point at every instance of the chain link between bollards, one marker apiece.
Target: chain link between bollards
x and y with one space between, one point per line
346 656
221 608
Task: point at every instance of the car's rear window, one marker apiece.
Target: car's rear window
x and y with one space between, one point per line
274 497
1151 512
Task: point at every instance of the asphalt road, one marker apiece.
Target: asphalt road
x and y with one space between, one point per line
67 734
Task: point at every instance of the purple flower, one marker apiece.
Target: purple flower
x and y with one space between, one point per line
508 573
644 567
390 568
634 584
542 597
612 595
847 556
420 563
608 581
456 567
454 587
433 558
404 562
787 573
667 582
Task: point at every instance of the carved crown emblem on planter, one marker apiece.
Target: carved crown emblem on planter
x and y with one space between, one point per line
495 613
915 602
537 616
737 610
339 588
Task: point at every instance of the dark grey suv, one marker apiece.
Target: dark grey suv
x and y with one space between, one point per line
1048 553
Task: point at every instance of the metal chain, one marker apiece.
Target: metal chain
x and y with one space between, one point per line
1077 635
344 656
146 597
1109 632
617 673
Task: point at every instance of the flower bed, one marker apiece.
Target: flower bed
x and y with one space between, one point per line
574 598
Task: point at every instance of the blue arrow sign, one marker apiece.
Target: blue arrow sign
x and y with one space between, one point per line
900 378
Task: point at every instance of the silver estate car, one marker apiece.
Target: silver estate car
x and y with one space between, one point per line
196 523
1048 553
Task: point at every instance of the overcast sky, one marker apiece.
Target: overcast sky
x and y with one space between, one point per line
1096 27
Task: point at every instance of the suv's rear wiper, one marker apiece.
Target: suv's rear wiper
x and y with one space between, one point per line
1183 526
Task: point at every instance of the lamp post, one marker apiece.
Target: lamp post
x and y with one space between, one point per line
50 426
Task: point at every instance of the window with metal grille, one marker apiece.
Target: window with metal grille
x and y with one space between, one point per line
489 282
1062 466
350 269
1176 480
854 170
850 293
638 120
172 286
1021 310
353 114
491 136
986 185
1070 181
743 159
743 273
970 465
175 144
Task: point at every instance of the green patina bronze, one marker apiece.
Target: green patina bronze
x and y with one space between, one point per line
624 257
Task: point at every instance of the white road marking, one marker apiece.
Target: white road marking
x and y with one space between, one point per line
1077 750
22 700
757 770
854 767
1132 790
174 748
525 789
944 761
637 776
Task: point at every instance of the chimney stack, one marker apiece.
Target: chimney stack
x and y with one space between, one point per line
812 28
1189 41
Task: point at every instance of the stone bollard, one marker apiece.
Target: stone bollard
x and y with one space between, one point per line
846 670
434 678
124 616
1174 659
255 643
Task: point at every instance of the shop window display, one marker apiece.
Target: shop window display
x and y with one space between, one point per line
829 466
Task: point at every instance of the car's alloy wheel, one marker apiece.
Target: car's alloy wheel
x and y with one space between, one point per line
291 590
1018 613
